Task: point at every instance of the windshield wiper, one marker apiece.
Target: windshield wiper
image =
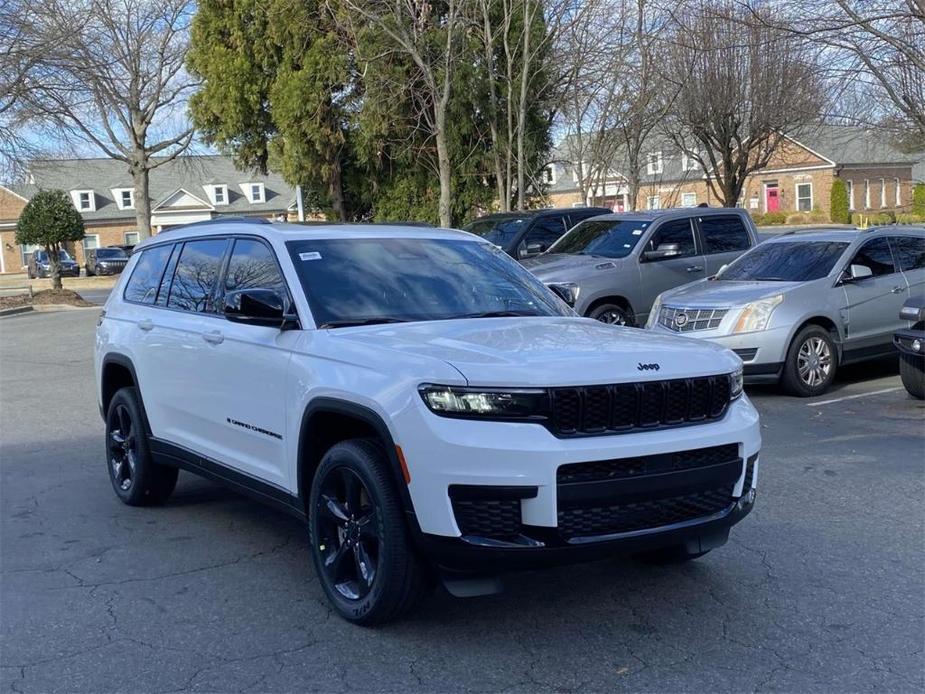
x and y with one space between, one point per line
352 322
499 314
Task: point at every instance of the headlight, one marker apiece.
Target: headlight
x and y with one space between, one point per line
567 291
653 312
756 315
486 403
736 383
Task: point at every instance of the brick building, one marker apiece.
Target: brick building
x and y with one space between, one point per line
798 178
187 189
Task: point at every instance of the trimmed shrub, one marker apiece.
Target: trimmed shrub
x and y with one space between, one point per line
918 199
757 218
910 219
772 218
840 213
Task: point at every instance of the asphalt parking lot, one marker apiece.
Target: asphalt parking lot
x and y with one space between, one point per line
821 589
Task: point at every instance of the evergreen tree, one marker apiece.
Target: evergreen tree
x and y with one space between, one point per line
50 220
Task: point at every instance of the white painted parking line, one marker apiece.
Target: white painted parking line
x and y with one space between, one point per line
852 397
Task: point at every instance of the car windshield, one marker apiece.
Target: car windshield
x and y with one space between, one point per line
501 231
110 253
605 238
390 280
791 261
42 257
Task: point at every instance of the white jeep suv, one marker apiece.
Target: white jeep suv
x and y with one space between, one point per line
421 400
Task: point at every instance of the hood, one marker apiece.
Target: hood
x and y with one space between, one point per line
568 267
707 293
542 351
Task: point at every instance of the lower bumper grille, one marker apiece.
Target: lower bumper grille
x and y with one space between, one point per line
488 518
643 515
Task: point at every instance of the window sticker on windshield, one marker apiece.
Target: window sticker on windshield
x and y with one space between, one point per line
312 255
637 232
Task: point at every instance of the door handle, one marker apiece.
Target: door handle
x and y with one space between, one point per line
695 268
145 325
898 290
213 337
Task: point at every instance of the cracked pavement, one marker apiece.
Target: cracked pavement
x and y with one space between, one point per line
821 588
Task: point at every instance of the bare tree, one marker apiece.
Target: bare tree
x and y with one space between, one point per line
742 85
115 79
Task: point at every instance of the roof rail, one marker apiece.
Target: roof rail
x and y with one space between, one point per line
233 219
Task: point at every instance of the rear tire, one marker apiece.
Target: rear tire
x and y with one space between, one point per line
912 372
136 479
612 314
360 546
812 361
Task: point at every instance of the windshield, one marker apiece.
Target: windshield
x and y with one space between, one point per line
501 231
110 253
383 280
42 257
604 238
796 261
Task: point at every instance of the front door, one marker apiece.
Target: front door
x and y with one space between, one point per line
873 302
771 198
682 262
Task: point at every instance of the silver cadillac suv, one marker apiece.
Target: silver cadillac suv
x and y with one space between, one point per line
800 305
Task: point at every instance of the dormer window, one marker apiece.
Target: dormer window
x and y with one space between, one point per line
84 200
689 163
654 163
219 195
124 197
254 192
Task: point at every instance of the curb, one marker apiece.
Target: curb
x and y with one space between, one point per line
14 311
61 307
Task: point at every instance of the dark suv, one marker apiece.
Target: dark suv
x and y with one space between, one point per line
39 266
527 233
106 261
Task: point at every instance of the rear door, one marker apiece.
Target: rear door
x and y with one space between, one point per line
685 264
724 238
910 253
873 303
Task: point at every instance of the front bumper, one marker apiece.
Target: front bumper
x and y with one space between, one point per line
903 340
497 491
109 269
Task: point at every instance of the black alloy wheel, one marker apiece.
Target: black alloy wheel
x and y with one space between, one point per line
348 532
612 314
123 444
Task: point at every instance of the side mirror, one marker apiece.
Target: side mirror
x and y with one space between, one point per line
663 252
567 292
531 249
265 307
856 272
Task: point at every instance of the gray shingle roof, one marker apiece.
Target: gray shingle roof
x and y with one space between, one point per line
190 173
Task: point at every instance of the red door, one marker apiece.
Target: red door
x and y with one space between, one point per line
771 199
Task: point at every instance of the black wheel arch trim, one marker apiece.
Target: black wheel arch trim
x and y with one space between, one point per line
122 360
367 416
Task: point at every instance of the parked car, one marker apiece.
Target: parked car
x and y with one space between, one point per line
421 400
529 233
106 261
39 265
800 305
911 345
615 266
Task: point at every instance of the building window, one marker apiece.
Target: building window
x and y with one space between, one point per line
219 195
653 202
26 250
899 192
549 174
866 193
882 192
83 200
91 241
130 238
850 186
689 163
688 199
654 163
804 197
128 199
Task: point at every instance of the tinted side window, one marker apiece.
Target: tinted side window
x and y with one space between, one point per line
876 255
194 279
545 232
253 266
675 239
724 234
910 251
146 277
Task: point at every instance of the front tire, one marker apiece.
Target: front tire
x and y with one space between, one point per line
612 314
811 363
359 543
912 373
136 479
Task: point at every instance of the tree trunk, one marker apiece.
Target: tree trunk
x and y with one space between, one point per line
142 200
54 265
522 108
443 166
632 191
336 189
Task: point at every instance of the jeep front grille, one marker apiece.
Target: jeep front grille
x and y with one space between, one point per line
624 407
686 320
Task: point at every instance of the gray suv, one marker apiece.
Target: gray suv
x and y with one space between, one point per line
612 267
801 304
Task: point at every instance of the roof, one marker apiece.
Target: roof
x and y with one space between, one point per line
187 173
853 146
827 234
285 231
520 214
667 212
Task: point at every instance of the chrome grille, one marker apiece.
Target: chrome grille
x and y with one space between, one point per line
686 320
